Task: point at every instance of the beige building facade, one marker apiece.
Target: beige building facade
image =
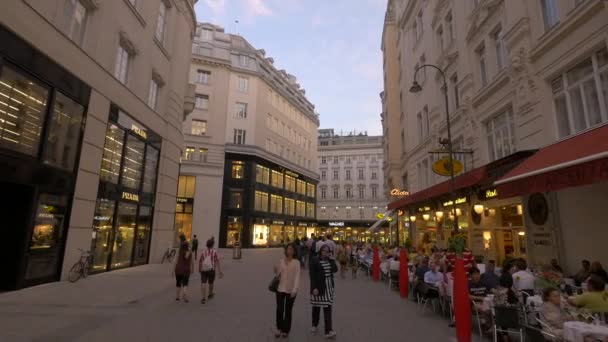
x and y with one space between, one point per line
520 75
93 98
251 133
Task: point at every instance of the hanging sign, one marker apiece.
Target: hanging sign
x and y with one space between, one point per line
336 224
442 167
459 200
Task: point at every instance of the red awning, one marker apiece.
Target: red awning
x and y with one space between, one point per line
576 161
465 180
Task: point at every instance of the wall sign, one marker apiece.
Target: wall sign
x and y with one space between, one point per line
129 196
139 131
423 209
302 224
292 174
459 200
397 192
278 222
491 193
336 224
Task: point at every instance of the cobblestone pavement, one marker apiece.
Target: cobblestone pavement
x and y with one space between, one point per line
138 304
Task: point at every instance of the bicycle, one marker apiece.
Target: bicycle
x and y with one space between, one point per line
81 268
169 255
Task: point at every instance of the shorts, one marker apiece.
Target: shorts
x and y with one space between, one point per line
181 280
207 277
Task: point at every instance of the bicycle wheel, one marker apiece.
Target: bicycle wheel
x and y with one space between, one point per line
75 272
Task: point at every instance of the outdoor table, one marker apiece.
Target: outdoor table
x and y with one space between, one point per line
575 331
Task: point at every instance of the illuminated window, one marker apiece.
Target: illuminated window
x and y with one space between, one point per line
276 204
238 169
290 183
236 199
262 174
76 20
261 201
186 186
277 179
189 153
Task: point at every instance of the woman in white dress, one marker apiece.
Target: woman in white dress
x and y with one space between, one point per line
322 290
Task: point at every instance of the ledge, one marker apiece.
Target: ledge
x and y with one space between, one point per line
162 48
135 12
497 83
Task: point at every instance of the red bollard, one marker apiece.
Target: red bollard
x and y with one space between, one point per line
462 304
376 265
404 275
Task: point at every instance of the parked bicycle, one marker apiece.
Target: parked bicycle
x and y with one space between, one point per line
81 267
169 255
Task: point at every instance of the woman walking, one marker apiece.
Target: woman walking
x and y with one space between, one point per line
288 271
322 272
183 269
342 256
207 265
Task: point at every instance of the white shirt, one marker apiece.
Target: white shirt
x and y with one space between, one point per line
393 265
289 276
523 280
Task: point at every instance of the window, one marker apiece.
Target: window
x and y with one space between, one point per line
238 169
550 13
347 174
161 24
153 94
361 177
239 136
440 38
261 201
310 210
420 122
202 76
581 95
374 191
310 190
500 50
422 72
419 26
75 20
262 174
290 183
202 101
347 160
449 29
64 126
349 192
301 187
481 57
189 153
456 93
335 160
361 191
374 175
199 127
323 193
112 150
202 154
243 84
206 34
121 69
323 174
290 207
276 204
348 211
336 175
500 132
236 199
277 179
240 110
243 60
336 192
300 208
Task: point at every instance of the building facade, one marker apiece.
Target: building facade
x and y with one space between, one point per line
92 100
251 142
520 75
351 194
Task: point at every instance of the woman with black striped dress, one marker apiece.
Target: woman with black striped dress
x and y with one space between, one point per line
322 272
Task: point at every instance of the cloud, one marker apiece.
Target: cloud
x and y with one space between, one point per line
258 8
216 5
317 20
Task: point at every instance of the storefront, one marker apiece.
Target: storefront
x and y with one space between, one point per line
184 207
354 231
125 204
42 111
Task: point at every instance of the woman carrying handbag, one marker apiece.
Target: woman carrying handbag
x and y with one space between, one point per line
322 272
288 274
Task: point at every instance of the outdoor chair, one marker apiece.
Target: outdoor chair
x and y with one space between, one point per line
393 279
506 319
534 334
477 317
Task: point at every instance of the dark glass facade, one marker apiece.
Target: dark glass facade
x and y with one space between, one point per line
264 204
125 203
42 112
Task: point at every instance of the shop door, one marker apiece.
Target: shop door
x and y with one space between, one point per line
16 212
124 236
103 234
142 243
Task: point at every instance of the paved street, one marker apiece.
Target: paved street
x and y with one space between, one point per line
138 304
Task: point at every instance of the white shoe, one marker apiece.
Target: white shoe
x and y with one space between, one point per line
314 330
331 334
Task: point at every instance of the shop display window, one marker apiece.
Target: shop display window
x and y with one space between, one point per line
183 220
262 174
511 216
238 169
112 154
300 232
65 127
260 235
150 170
276 235
23 103
234 231
125 233
290 233
133 163
102 233
142 242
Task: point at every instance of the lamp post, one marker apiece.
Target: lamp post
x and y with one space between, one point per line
416 88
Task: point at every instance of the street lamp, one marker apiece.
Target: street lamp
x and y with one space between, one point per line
416 88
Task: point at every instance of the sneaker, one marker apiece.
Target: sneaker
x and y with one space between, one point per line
331 334
314 330
284 335
211 295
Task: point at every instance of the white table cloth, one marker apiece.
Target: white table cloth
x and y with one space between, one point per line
534 302
577 331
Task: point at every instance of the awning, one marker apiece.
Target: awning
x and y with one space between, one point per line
576 161
481 176
376 226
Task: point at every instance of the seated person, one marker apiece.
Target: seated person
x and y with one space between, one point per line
489 278
584 273
393 264
504 294
552 313
555 267
523 280
598 270
477 290
422 269
433 279
596 300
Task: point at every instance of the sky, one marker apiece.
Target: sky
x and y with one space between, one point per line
331 46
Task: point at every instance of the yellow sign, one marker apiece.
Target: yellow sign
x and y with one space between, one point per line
423 209
442 167
491 193
397 192
380 216
459 200
141 132
129 196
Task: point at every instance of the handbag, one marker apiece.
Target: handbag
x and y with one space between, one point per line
274 284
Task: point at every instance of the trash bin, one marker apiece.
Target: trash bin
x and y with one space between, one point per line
236 250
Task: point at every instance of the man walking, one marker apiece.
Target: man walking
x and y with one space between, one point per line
195 247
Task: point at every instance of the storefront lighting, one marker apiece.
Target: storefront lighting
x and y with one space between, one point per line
426 217
413 218
521 233
520 209
478 209
458 212
439 215
492 212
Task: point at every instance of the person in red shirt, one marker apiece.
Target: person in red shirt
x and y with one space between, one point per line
467 257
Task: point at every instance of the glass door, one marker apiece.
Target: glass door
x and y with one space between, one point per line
125 233
142 242
103 236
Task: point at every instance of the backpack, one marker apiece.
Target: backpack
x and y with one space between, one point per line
207 261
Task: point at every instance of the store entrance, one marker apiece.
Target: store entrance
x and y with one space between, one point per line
510 244
16 211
